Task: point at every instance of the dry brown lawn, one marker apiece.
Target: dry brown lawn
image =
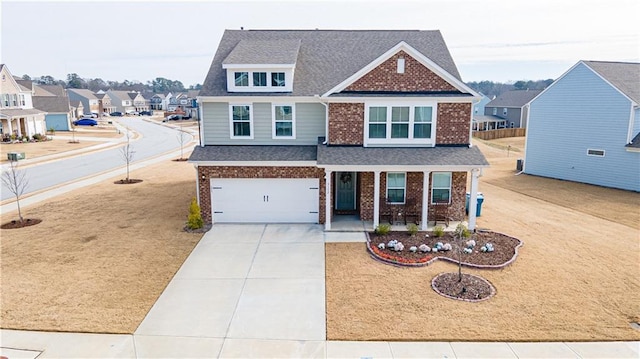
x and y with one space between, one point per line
577 277
102 255
39 149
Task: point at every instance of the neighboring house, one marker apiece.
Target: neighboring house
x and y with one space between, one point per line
139 102
77 108
178 102
105 103
90 103
511 106
157 102
192 108
53 100
17 114
478 108
585 127
303 126
121 101
166 100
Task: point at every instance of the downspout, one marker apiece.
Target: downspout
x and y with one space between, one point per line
471 122
200 119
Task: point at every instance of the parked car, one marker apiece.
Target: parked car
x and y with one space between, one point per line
115 113
131 113
85 121
173 118
90 115
146 113
105 114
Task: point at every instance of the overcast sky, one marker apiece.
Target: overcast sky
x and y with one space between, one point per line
499 40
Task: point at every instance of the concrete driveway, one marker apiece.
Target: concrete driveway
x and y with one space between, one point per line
244 290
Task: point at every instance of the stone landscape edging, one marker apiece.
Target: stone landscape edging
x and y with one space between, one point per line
493 289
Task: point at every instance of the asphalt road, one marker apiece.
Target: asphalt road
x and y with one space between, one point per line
155 140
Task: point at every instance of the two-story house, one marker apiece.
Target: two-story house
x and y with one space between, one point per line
192 107
138 101
17 115
585 127
303 126
90 103
512 107
157 102
121 101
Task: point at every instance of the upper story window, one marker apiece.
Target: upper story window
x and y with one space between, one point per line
259 79
283 121
277 79
504 111
241 125
14 100
22 100
405 124
241 78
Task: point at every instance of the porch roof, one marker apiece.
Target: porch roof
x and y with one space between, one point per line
244 153
400 156
11 113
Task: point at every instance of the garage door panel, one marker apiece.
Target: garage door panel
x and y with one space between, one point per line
265 200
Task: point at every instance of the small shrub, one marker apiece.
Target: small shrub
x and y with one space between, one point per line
383 229
412 228
438 231
194 221
52 131
37 137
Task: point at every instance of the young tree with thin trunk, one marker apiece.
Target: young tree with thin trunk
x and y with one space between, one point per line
127 153
16 182
182 139
460 237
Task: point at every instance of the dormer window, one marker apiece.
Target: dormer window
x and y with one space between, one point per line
241 78
259 79
277 79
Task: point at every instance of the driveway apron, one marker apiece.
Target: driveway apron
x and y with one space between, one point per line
251 283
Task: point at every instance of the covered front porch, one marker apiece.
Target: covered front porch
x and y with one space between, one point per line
426 186
21 122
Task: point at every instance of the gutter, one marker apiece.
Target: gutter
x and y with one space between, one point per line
326 118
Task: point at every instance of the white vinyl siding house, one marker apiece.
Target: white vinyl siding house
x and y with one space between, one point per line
579 127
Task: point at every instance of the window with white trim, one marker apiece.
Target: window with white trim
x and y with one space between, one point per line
596 153
504 111
241 125
396 187
283 121
495 111
441 187
400 124
259 79
241 79
22 100
277 79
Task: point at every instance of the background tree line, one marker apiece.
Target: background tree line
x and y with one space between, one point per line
158 85
490 88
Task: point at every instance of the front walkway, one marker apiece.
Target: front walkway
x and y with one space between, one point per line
258 291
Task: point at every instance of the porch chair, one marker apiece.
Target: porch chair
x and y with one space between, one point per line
441 212
386 213
411 211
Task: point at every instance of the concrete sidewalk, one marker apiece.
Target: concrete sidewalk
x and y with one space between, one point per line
258 291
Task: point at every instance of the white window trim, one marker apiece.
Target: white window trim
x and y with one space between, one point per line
401 141
434 187
594 155
401 64
404 187
273 122
288 80
231 135
248 79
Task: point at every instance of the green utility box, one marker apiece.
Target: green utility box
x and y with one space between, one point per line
15 156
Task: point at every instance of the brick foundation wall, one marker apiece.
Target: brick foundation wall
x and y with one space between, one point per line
346 123
255 172
416 77
454 120
414 190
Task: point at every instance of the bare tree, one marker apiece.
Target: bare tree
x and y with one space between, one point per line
460 237
16 181
182 139
127 153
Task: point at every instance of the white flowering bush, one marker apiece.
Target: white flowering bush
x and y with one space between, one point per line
413 249
424 248
447 247
381 246
398 247
471 243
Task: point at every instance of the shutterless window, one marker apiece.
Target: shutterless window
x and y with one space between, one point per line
241 121
504 111
377 122
400 122
284 121
495 111
441 188
422 121
396 185
277 79
597 153
259 79
242 78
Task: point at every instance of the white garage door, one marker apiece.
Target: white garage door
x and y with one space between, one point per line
240 200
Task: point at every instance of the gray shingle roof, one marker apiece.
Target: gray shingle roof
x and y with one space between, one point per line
264 52
51 103
514 98
84 93
407 156
326 57
253 153
5 113
53 90
623 75
26 85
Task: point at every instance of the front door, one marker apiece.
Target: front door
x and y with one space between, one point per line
345 191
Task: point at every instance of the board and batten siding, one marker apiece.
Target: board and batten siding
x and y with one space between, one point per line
577 113
309 123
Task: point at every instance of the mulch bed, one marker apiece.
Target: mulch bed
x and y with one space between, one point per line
129 181
505 249
471 289
17 224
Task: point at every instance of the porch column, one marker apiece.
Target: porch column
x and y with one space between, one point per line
425 200
473 200
376 199
9 127
327 200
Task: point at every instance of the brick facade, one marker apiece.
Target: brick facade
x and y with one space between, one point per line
346 123
414 190
453 123
254 172
416 77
